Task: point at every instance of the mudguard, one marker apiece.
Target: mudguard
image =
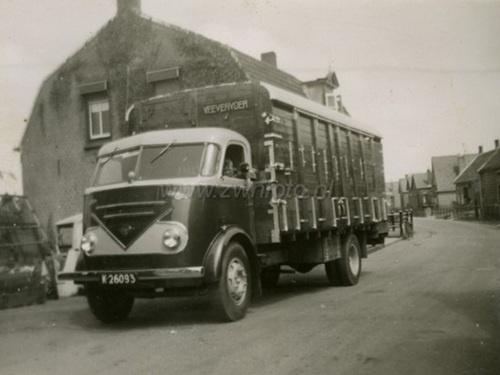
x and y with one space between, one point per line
213 258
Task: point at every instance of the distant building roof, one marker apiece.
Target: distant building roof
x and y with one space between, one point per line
392 187
421 181
403 185
446 168
470 172
264 72
493 163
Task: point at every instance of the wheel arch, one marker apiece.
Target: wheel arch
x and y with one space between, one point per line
213 260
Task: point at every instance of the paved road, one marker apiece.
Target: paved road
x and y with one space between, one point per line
430 305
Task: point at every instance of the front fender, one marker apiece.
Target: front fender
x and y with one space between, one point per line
213 258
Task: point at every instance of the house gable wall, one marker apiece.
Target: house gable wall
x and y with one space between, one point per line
56 153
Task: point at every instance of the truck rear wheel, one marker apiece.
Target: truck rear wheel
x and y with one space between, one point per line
231 296
346 270
109 306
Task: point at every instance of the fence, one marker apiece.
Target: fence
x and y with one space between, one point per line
488 213
400 223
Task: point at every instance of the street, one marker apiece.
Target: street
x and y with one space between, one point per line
429 305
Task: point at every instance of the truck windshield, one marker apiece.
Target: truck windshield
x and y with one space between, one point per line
158 162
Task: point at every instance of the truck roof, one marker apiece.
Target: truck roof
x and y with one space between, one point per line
185 135
318 110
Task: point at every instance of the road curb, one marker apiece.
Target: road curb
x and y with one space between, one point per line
376 248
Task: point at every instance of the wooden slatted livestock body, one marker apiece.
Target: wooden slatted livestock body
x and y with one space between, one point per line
320 171
333 163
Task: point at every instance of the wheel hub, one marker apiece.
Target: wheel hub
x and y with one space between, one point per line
354 259
237 281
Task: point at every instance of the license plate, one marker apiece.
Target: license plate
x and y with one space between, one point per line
118 279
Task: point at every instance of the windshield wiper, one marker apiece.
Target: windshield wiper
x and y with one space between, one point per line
165 149
110 156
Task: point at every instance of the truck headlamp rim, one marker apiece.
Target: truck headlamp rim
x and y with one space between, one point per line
88 243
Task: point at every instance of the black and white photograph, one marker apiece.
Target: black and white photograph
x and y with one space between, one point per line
250 187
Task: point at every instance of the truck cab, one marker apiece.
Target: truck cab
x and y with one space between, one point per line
162 211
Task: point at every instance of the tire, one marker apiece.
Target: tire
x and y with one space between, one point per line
270 276
109 306
346 271
231 297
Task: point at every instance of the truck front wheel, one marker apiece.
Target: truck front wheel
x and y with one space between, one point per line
346 270
231 297
109 306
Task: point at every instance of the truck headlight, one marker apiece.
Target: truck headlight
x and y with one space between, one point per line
171 238
175 237
89 240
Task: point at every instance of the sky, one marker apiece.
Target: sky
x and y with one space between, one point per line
425 74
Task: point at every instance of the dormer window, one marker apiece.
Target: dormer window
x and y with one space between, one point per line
331 100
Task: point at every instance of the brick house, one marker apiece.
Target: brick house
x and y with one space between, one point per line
84 103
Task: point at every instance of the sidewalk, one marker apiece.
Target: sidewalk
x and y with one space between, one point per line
388 241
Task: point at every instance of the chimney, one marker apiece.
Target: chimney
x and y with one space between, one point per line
496 143
124 7
480 149
269 58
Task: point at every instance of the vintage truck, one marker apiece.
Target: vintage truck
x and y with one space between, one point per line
221 187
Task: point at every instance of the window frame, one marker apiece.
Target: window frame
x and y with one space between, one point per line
98 101
330 96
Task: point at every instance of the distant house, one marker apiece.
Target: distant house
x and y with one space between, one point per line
489 178
85 102
420 190
444 171
478 186
392 196
322 90
404 194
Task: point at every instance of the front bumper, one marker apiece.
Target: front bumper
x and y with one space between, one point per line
176 276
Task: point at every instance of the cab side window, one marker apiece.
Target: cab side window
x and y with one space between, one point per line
235 155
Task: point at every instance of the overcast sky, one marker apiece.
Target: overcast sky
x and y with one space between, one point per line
425 74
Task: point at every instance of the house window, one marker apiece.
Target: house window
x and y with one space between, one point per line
330 100
99 122
165 81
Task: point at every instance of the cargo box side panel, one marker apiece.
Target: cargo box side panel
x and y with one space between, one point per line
287 155
379 180
370 163
345 162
